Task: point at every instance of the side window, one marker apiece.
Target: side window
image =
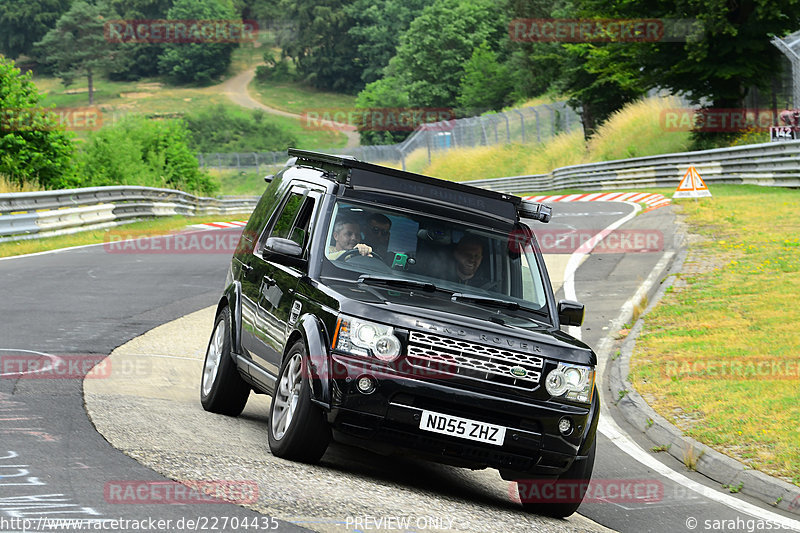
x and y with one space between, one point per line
285 222
293 220
299 231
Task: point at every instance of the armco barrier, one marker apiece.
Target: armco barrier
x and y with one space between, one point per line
35 214
47 213
771 164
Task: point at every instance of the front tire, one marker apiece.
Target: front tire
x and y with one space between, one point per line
297 429
533 493
222 389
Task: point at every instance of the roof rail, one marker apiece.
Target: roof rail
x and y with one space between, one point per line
321 157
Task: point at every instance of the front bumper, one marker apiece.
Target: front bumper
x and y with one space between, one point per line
387 420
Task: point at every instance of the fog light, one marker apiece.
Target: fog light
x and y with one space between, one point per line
365 385
565 426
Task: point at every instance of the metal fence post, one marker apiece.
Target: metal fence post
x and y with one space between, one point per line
521 124
508 127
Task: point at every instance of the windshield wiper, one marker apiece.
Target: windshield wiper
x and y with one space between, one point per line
494 302
401 282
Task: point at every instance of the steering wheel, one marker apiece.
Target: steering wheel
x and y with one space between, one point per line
350 253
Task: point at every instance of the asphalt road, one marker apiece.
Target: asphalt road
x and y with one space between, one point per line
87 301
77 304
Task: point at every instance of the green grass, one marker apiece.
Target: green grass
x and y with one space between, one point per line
734 308
242 183
153 97
158 226
298 98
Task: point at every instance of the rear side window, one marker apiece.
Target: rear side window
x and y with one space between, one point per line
293 220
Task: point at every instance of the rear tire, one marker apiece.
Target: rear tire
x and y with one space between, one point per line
297 429
575 479
222 389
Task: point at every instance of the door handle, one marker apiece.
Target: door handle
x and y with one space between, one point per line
246 268
269 282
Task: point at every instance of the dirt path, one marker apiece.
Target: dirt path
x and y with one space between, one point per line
236 89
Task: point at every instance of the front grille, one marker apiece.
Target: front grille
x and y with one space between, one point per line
484 364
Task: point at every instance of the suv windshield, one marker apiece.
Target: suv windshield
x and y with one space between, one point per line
491 267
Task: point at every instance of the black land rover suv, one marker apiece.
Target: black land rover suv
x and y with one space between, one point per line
407 314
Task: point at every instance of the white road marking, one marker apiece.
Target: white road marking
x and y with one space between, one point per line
608 427
57 250
53 359
615 434
577 258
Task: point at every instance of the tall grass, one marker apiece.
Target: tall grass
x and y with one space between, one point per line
637 130
478 162
7 186
634 131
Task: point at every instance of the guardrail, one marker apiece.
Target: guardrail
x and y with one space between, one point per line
48 213
772 164
37 214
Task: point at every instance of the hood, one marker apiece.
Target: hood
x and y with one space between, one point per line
435 312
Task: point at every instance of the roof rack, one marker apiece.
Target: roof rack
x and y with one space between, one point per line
527 209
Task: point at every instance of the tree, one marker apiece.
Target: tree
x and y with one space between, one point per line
77 45
32 145
325 54
24 22
388 92
138 60
486 83
198 62
376 29
439 42
719 57
565 67
596 97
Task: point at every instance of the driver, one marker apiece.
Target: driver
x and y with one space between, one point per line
346 234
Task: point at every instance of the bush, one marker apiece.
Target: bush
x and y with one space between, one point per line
274 69
33 146
225 129
138 151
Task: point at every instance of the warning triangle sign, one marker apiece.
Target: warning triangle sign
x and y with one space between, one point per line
691 186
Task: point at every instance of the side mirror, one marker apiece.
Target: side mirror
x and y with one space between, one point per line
570 313
268 178
284 247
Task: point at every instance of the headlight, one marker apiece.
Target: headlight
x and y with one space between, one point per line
360 337
570 382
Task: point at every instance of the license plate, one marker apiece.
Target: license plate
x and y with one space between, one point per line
462 427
